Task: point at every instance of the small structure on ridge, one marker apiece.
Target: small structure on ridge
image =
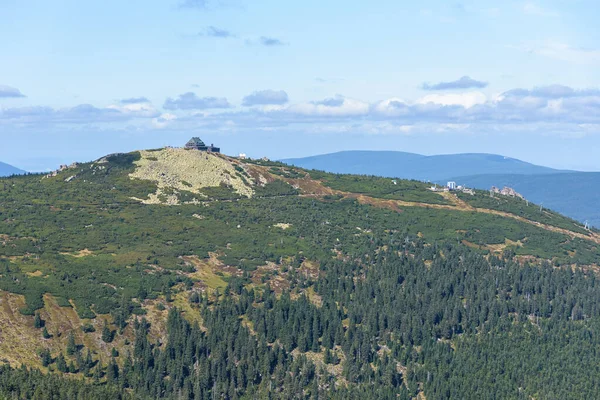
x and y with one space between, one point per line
196 143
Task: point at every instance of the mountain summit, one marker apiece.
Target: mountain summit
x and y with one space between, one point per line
8 170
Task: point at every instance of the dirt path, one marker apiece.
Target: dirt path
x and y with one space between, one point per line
593 237
317 189
461 206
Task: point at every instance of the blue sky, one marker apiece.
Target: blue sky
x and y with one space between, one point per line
81 79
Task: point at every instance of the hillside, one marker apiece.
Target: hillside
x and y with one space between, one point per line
572 193
8 170
170 273
576 194
415 166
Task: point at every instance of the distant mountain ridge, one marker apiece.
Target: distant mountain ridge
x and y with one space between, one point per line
416 166
8 170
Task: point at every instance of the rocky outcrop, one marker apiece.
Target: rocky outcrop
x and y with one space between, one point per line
188 170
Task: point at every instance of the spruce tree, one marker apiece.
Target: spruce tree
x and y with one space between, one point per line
194 298
327 358
71 345
46 357
112 371
61 363
107 334
98 372
45 333
72 369
88 363
37 321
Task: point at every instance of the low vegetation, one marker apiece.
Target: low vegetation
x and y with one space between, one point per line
383 188
523 208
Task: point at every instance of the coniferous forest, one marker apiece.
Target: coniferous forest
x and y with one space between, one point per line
386 327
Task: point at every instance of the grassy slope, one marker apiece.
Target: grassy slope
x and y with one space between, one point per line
574 194
75 245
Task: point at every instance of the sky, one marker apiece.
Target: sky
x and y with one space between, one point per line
281 79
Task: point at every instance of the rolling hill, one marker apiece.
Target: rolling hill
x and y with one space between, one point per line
173 273
573 193
8 170
415 166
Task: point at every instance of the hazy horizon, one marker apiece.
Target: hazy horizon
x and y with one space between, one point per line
40 159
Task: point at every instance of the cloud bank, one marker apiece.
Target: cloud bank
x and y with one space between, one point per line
266 97
213 31
465 82
134 100
10 92
270 41
554 109
190 101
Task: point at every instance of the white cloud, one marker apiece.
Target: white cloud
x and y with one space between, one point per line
465 82
466 100
266 97
190 101
555 106
80 114
527 102
139 110
8 91
393 107
272 107
389 128
371 128
163 120
339 107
